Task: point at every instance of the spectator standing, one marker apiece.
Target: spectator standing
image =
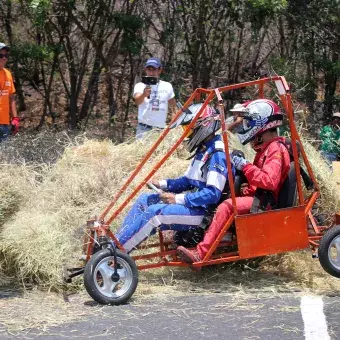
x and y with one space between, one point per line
9 119
153 101
234 123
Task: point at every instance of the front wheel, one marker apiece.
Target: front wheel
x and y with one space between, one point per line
329 251
103 284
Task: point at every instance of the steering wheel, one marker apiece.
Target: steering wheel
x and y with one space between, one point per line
153 187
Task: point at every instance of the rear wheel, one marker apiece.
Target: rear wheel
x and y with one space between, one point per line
103 284
329 251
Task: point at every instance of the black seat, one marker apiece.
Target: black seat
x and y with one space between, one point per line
287 195
238 181
288 192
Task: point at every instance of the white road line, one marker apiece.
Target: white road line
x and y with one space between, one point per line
314 319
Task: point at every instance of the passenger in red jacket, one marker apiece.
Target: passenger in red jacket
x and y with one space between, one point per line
269 170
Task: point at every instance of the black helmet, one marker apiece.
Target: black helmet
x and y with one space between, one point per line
208 123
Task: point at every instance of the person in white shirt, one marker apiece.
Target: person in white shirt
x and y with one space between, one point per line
234 123
153 101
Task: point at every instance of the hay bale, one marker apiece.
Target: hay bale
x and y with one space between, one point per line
37 240
336 170
329 202
37 237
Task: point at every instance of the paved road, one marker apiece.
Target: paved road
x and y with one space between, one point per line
213 316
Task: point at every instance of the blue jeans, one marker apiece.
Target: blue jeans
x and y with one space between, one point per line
5 131
143 129
148 215
329 157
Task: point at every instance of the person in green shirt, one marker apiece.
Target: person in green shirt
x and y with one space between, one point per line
330 137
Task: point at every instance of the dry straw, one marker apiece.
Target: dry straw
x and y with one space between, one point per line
42 208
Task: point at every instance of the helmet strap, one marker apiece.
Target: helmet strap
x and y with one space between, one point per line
259 139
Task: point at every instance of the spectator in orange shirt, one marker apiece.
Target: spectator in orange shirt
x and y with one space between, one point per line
9 120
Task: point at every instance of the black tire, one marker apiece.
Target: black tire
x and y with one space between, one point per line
328 253
97 276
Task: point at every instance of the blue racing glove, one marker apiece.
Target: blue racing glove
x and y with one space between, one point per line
238 161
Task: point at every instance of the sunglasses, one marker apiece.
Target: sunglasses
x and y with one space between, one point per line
151 68
2 56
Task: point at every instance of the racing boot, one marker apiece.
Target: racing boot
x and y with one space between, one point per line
188 256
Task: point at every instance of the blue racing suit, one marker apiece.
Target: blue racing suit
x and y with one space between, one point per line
205 178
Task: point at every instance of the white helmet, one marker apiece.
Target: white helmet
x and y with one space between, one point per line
262 115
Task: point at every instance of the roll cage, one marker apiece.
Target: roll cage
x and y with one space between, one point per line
256 234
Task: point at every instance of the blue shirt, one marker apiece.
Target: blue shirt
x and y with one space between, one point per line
207 174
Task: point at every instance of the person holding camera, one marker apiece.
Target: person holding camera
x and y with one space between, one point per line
153 97
234 123
9 120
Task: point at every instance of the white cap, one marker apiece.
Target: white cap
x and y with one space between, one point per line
336 115
239 108
2 45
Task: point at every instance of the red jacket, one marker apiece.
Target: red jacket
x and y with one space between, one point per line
270 168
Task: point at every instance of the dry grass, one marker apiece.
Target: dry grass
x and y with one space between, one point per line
43 207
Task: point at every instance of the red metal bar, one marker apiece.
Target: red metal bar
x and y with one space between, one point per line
294 138
202 90
198 97
315 244
90 246
249 83
152 255
177 264
160 163
152 265
226 150
315 238
217 261
261 90
147 156
284 102
308 166
284 83
115 240
311 202
313 222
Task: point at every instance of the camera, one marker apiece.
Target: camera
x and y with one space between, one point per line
147 80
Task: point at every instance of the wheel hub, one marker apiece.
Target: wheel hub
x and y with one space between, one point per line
115 277
110 282
334 252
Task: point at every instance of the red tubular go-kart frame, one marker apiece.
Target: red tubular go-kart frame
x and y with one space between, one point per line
257 234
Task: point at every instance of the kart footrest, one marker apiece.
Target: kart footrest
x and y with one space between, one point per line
69 273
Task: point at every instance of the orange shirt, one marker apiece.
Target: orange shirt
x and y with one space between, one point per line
6 89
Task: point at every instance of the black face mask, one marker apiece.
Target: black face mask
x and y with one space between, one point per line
257 142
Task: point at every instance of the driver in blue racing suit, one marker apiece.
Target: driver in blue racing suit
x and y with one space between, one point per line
203 183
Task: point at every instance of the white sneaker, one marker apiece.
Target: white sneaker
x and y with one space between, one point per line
82 257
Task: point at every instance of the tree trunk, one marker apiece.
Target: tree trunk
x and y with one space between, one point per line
93 82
